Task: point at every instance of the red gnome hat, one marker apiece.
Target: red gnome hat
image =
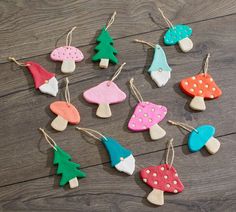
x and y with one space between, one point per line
43 80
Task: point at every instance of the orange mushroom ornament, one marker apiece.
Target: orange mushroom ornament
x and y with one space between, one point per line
200 87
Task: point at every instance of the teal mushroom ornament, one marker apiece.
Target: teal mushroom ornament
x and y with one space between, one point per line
178 34
199 137
159 70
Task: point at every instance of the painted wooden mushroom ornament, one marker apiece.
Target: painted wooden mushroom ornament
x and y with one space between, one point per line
200 87
146 116
162 178
178 34
159 70
199 137
67 54
104 94
65 111
120 157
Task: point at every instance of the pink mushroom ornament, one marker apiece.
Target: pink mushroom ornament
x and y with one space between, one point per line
104 94
68 55
147 116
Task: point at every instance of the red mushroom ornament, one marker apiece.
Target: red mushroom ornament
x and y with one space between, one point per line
162 178
104 94
146 116
200 87
68 55
65 111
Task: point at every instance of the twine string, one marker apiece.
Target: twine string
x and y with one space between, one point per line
206 64
145 42
69 36
67 91
183 125
116 74
170 146
17 62
135 91
112 19
92 133
170 25
50 141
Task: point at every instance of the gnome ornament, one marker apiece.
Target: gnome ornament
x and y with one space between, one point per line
45 81
69 170
146 116
200 87
120 157
162 178
67 54
159 70
104 94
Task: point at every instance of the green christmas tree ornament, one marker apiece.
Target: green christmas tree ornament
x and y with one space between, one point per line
105 51
178 34
69 171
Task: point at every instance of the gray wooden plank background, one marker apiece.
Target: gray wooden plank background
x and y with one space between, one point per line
31 29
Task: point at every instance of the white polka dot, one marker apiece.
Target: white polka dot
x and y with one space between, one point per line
200 91
155 182
150 120
213 89
206 86
168 185
144 180
144 127
139 110
162 168
159 116
133 125
165 176
186 83
153 109
176 174
148 171
133 116
175 182
191 90
175 191
211 79
154 174
200 81
193 78
194 85
145 114
147 103
211 96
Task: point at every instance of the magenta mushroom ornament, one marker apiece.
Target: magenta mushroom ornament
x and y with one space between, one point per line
68 55
147 116
104 94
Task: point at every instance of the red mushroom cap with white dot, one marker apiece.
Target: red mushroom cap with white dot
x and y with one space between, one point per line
162 177
146 114
201 85
67 53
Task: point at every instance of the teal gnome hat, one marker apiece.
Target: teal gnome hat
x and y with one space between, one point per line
178 34
121 158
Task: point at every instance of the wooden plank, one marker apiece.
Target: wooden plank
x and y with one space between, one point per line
38 25
217 40
24 155
209 181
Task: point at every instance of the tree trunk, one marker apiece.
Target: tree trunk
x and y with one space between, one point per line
103 110
68 66
156 197
59 123
212 145
198 103
104 63
74 183
156 132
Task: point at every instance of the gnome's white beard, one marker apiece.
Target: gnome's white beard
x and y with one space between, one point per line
160 77
127 165
51 87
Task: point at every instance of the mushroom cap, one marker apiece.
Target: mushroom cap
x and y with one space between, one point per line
66 111
201 85
105 92
145 115
67 53
39 74
197 140
177 33
162 177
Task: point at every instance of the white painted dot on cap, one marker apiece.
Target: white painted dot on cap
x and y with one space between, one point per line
145 114
206 86
175 191
155 182
165 176
186 83
144 127
140 120
211 96
159 116
148 171
162 168
213 89
152 109
139 110
133 116
211 79
133 125
193 78
147 103
191 89
168 185
200 81
154 174
200 91
175 182
176 175
144 180
150 120
194 85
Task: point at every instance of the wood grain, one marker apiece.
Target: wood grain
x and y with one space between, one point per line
31 28
209 181
23 152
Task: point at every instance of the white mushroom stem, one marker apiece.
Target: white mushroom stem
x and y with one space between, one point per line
156 197
104 63
160 77
59 123
156 132
212 145
198 103
186 44
103 110
68 66
74 183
